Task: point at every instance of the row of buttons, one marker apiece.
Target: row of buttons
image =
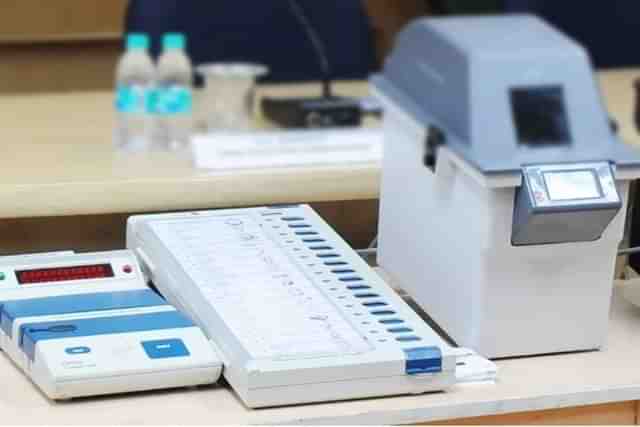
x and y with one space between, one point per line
347 275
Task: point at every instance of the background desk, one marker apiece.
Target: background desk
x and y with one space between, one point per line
58 168
57 160
62 187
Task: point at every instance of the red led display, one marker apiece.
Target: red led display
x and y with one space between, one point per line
64 274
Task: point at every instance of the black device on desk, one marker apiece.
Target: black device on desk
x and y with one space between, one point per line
313 112
321 112
634 234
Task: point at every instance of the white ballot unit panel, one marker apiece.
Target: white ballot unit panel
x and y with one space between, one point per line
296 314
504 188
86 324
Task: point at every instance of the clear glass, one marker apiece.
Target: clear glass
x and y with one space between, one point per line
227 101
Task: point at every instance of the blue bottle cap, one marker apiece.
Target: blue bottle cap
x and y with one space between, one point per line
137 41
174 41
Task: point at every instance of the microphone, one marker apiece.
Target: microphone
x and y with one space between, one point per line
318 46
315 112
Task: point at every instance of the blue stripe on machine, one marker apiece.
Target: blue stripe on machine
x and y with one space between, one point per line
33 333
69 304
423 360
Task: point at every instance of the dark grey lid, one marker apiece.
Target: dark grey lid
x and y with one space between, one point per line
506 90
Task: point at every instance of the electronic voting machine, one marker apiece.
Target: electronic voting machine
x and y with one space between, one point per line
297 315
86 324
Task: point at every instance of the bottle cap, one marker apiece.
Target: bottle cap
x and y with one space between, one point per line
174 41
137 41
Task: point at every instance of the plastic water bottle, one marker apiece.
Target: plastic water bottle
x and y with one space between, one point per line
135 77
174 102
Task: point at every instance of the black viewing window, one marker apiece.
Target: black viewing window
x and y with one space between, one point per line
540 116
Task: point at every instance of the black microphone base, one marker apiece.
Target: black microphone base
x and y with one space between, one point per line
318 112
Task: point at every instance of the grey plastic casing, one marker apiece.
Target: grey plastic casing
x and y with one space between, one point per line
538 219
458 74
507 92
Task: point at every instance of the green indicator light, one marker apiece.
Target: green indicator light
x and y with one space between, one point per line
2 276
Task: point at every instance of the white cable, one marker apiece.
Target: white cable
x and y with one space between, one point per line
374 243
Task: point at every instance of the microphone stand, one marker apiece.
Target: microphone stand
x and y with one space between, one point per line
315 112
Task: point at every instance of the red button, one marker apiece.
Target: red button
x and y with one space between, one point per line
127 269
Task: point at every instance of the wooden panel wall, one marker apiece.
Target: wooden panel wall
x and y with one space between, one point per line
622 413
58 67
389 16
66 45
29 21
355 221
59 45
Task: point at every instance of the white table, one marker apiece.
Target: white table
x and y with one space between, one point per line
525 385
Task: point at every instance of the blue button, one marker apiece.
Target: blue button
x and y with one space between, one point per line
358 287
335 263
328 256
77 350
299 226
320 248
292 218
423 360
374 304
164 349
391 321
343 271
383 313
314 240
399 330
306 233
351 279
408 338
367 295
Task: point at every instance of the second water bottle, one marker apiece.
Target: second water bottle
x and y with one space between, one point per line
173 103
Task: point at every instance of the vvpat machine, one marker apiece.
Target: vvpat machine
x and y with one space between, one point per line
504 188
